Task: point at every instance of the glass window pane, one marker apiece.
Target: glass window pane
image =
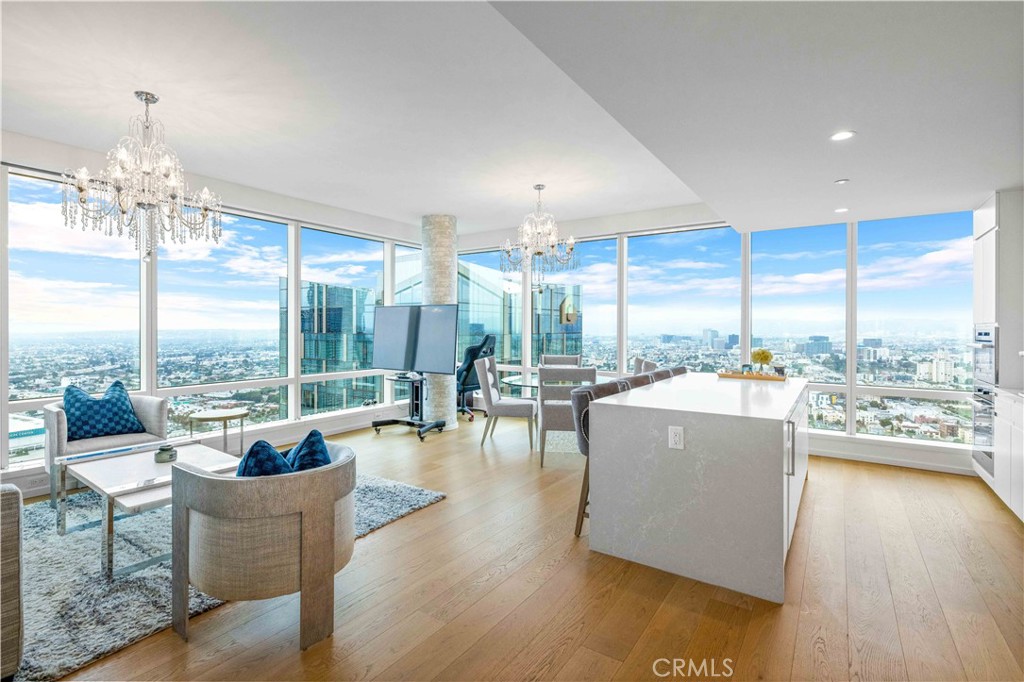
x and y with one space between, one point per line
27 435
914 301
490 302
341 394
798 299
949 421
267 404
220 306
575 312
684 299
74 298
827 410
342 281
408 275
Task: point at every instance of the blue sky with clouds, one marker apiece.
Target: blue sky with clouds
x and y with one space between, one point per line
914 276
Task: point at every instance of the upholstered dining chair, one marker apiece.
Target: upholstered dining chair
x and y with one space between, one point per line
676 371
635 381
496 405
262 537
660 374
581 398
641 366
561 360
554 385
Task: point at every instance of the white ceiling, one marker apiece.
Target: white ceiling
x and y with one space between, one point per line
739 99
403 109
392 109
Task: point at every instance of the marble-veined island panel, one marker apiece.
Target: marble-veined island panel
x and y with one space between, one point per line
722 509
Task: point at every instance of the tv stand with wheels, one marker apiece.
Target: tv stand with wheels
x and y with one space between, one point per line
415 418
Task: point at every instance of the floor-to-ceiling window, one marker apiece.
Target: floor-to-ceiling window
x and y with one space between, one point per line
914 314
575 312
220 320
798 310
74 308
408 275
342 283
684 298
490 302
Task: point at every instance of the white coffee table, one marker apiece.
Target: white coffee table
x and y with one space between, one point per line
132 483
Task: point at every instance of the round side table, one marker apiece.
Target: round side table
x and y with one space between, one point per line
222 416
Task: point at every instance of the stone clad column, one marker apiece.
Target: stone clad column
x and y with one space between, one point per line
440 273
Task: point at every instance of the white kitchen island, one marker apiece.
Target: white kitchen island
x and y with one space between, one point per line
722 510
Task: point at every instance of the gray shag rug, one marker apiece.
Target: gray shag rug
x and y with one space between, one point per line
74 617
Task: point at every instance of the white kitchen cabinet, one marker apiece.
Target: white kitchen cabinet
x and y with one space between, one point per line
985 272
1002 456
797 439
1017 472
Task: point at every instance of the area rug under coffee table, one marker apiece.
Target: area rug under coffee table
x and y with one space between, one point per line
73 616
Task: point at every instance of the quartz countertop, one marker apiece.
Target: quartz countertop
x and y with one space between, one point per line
709 394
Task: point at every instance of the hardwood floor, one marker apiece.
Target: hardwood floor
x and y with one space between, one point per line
893 574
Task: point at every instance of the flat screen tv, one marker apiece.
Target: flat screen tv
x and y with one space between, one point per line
415 338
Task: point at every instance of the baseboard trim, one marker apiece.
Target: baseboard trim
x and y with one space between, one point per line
950 459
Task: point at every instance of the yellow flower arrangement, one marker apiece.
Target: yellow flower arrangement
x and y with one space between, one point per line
761 356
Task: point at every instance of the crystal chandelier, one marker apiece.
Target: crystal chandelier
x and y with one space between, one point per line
539 245
142 191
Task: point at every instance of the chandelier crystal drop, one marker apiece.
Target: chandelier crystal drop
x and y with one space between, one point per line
142 192
540 245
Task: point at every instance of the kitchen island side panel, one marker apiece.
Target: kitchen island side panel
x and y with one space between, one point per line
714 511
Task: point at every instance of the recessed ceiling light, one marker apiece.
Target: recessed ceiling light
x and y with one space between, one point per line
843 135
842 210
842 181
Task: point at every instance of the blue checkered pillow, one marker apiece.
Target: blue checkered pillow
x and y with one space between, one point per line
261 459
111 415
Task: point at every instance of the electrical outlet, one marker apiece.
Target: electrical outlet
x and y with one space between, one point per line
675 438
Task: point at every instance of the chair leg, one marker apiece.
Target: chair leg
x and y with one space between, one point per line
487 425
529 427
53 485
584 496
493 425
543 442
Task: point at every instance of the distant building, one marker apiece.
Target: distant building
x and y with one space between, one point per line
718 343
949 430
872 343
709 336
337 335
816 345
557 321
733 342
756 341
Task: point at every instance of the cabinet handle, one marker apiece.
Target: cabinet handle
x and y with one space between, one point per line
791 427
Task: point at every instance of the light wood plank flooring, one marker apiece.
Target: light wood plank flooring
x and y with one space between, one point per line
893 574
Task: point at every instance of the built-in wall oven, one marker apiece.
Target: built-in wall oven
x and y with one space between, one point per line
986 354
984 418
986 376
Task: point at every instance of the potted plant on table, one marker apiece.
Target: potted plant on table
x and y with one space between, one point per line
762 357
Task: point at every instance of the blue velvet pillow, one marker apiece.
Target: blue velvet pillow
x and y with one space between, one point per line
310 453
111 415
261 459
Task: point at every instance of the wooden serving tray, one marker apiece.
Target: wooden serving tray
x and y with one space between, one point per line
754 377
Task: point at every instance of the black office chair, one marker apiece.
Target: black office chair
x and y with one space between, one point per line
466 380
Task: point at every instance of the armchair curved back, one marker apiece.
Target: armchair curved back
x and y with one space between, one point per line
466 376
256 538
261 537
